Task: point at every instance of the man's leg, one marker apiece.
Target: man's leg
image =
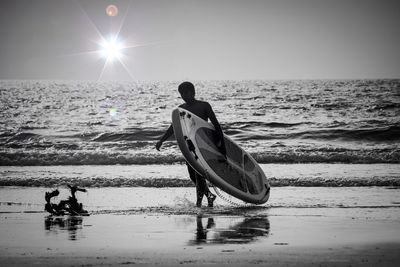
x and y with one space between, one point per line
199 190
202 184
201 187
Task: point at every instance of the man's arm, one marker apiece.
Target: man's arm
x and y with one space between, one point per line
166 135
220 134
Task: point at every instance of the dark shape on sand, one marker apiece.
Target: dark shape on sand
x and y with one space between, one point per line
71 206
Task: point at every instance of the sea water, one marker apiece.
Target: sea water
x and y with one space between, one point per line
100 134
107 123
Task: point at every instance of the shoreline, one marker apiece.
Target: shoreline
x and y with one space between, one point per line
181 200
299 226
175 175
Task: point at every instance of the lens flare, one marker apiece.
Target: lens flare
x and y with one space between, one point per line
111 11
113 112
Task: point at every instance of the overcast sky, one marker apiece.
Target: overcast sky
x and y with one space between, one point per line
201 40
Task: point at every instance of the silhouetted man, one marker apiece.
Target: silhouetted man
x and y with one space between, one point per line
203 110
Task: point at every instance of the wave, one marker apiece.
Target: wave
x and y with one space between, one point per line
384 134
276 154
327 156
44 158
175 182
241 131
390 133
258 124
384 106
110 157
19 136
133 135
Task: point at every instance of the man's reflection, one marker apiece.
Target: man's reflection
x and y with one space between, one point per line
244 232
201 233
71 223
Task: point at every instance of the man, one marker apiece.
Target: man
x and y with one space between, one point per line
203 110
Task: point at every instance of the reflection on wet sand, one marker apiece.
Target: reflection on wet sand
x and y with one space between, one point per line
72 224
243 232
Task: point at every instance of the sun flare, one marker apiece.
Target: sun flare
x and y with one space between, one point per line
111 49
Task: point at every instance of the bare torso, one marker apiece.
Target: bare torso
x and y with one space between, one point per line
199 108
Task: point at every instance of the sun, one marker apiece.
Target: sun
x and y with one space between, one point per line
111 49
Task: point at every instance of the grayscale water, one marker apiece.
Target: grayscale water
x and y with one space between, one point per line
305 121
340 135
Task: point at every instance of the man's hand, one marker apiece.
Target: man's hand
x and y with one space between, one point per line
158 145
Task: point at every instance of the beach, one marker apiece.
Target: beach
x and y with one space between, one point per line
176 232
298 226
329 149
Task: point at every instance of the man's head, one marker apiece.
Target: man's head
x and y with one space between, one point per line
186 89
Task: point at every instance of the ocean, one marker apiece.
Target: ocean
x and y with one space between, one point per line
104 133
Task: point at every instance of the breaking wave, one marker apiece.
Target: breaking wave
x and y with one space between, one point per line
252 130
278 154
384 134
176 182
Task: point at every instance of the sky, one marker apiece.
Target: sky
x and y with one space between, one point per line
200 39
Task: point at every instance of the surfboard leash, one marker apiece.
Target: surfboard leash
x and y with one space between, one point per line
228 200
216 190
242 205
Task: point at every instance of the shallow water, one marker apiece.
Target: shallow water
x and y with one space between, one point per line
121 216
170 201
176 175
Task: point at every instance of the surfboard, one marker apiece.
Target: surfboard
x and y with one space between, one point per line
238 174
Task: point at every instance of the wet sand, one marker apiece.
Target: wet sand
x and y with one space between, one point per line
176 233
30 239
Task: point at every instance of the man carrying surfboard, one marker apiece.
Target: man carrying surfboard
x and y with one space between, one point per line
203 110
